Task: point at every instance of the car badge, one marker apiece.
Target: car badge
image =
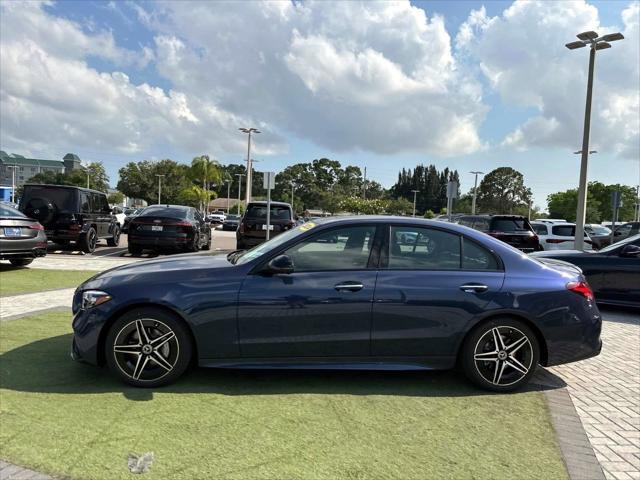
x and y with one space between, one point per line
157 221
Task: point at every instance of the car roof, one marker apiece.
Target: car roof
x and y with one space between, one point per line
264 202
72 187
185 207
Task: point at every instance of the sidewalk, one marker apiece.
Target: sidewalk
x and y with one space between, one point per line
20 305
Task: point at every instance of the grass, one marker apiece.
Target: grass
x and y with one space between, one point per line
14 281
75 420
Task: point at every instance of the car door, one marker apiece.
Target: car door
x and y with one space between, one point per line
321 309
620 277
428 290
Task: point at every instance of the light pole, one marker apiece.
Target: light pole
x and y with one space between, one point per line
415 193
595 43
159 187
249 131
475 191
13 182
239 175
228 194
292 187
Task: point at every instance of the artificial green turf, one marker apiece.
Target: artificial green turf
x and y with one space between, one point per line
14 281
75 420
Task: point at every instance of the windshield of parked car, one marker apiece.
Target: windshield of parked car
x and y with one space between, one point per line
233 217
510 225
62 199
167 212
635 240
243 257
277 212
10 212
599 230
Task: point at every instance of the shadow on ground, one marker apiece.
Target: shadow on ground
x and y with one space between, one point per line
45 366
627 315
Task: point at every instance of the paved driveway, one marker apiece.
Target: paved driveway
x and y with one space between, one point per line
606 393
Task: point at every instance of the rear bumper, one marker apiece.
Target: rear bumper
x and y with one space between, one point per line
23 248
149 241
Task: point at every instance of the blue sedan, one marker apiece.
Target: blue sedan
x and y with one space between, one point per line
385 293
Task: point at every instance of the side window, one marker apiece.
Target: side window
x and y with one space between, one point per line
415 248
481 224
340 249
540 229
85 205
475 257
97 203
466 221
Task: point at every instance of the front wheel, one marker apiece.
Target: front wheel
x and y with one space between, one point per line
148 347
115 238
501 355
88 241
20 262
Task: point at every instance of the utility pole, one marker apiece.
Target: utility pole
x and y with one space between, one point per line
292 209
637 216
228 194
415 193
364 188
239 175
595 43
249 131
475 191
159 187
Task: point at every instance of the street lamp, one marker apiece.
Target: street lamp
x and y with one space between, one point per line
475 190
239 175
249 131
159 187
595 43
415 192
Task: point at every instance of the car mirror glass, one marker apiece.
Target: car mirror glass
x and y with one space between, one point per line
280 264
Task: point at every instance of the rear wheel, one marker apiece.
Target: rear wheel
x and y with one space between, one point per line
88 240
20 262
207 246
115 238
148 347
501 355
195 245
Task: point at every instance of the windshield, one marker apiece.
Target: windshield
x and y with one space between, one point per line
167 212
510 225
634 240
598 230
266 247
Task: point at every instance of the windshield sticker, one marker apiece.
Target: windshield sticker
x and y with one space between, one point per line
306 226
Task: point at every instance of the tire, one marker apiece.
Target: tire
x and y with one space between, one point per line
20 262
88 241
114 241
504 368
143 364
241 245
134 249
207 246
195 245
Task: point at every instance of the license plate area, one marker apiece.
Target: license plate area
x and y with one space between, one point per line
156 228
12 232
264 227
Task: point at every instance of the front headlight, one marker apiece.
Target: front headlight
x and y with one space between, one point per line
93 298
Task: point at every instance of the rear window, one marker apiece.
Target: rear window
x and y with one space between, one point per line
540 229
10 212
277 212
166 212
564 230
62 199
510 225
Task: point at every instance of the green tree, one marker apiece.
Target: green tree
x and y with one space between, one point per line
115 198
98 178
138 180
399 206
429 214
502 190
565 204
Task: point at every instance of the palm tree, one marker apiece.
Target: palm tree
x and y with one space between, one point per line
207 171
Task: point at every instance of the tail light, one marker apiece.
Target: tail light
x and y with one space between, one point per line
241 227
581 288
36 226
183 224
556 240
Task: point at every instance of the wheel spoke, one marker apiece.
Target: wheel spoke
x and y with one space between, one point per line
497 339
497 375
140 365
487 356
161 340
515 346
142 333
160 360
127 349
516 365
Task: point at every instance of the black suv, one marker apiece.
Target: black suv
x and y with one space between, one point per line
252 230
71 214
512 229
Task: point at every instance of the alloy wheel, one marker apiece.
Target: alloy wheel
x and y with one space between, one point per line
92 240
503 355
146 349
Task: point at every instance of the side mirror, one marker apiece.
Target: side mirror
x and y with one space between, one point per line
280 264
630 251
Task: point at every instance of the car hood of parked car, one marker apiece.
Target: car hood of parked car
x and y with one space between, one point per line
178 265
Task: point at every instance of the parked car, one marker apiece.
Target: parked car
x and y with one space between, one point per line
216 218
625 230
558 236
365 301
550 220
21 238
164 227
600 236
613 272
231 222
252 230
512 229
131 213
71 214
118 212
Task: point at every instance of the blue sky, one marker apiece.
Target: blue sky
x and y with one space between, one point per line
365 84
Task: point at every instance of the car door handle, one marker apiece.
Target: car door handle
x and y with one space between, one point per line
473 288
350 286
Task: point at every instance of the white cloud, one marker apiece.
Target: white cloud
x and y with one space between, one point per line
522 55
